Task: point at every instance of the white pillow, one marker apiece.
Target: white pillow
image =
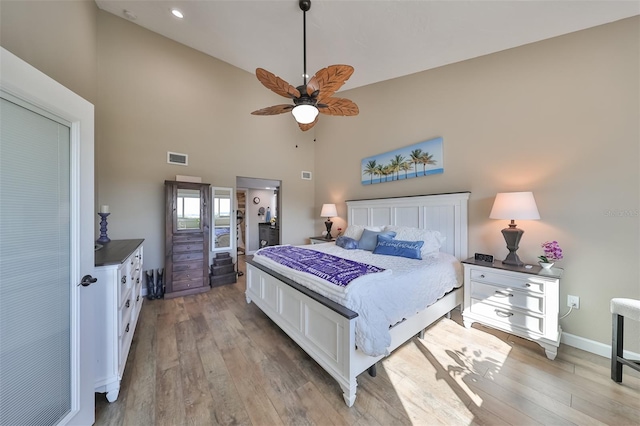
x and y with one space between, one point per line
355 231
432 239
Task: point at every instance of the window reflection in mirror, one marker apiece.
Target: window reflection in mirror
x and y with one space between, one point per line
188 209
222 209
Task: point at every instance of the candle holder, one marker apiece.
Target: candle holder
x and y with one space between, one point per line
103 228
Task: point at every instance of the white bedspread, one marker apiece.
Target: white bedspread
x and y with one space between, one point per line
381 300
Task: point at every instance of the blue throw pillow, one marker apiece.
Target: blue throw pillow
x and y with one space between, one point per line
369 239
391 247
346 243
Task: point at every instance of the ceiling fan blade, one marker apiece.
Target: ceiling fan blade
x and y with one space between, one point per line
338 106
274 110
276 84
331 78
305 127
312 85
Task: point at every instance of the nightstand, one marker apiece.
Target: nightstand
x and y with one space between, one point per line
320 239
523 302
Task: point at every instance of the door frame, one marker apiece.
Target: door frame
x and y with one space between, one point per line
28 84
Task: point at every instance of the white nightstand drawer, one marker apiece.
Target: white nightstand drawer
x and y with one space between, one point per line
507 317
533 302
530 283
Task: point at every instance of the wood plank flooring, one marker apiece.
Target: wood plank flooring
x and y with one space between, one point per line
212 359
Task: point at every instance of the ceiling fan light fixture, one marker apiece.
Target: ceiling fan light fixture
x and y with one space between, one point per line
314 95
304 114
177 13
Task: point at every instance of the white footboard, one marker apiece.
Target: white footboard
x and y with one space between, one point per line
326 330
324 334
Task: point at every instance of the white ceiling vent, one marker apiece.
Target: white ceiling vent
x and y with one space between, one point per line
306 175
177 158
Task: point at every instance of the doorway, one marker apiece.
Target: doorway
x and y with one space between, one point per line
262 200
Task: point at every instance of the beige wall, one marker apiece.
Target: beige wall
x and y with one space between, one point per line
559 118
56 37
156 95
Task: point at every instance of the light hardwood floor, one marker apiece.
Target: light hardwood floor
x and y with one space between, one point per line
212 359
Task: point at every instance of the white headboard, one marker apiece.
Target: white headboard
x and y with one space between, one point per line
446 213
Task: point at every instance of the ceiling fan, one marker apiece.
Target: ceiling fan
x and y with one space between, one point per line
313 96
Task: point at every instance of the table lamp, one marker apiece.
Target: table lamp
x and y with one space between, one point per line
514 205
328 211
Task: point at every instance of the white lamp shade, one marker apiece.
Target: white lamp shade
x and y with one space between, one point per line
304 114
329 210
515 205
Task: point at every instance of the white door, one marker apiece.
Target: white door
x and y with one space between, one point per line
46 249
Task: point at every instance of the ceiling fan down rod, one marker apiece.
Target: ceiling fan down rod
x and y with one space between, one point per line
305 5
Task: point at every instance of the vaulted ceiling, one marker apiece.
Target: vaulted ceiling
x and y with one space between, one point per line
382 39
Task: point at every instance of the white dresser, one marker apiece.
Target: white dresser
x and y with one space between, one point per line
117 301
520 301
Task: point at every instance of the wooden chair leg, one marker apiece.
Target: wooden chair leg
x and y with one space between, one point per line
617 347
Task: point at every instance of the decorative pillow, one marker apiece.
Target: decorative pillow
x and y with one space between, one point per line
355 231
432 239
346 243
391 247
369 239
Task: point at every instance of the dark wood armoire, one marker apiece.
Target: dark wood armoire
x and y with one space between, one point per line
187 218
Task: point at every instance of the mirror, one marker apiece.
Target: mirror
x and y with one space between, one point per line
223 227
188 209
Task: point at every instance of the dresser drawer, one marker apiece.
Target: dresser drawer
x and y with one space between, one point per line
124 283
187 275
508 298
185 257
188 247
530 283
124 314
188 238
188 266
124 343
509 318
185 284
135 261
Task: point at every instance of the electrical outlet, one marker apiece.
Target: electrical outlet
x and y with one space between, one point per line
573 301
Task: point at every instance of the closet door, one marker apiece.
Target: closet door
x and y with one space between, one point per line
46 246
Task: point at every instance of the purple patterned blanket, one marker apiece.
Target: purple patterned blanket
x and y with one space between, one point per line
334 269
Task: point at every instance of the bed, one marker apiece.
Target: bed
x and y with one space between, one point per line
326 329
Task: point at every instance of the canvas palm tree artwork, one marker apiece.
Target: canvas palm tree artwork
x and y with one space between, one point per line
421 159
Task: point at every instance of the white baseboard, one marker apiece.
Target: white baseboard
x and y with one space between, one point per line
593 346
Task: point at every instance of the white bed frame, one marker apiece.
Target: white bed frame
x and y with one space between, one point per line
326 330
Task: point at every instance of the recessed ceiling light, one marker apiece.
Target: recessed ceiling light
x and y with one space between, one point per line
177 13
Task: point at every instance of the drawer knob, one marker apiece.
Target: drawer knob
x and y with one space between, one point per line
482 276
127 304
137 298
503 314
503 293
124 280
528 285
126 330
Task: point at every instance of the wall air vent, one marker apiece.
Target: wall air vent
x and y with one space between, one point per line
306 175
177 158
